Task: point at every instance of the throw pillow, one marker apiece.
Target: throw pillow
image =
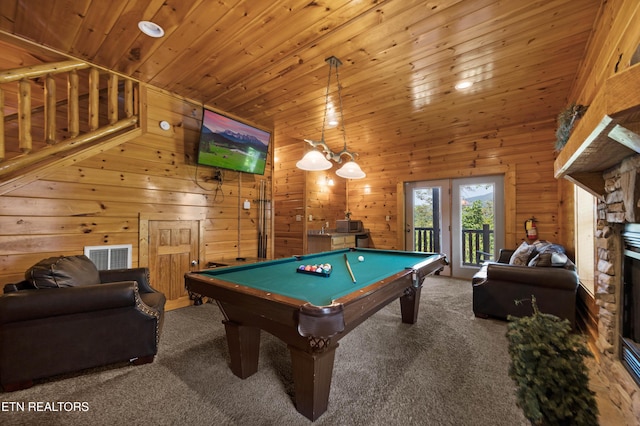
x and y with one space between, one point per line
559 259
63 271
548 255
522 254
540 259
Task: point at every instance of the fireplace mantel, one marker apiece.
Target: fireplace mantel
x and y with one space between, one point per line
607 133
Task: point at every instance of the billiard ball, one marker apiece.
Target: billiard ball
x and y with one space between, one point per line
361 258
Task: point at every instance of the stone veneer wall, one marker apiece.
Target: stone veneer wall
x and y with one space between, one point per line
619 207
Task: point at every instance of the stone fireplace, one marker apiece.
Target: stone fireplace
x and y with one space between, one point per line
617 342
630 314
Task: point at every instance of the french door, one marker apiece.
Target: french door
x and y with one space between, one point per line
463 218
428 217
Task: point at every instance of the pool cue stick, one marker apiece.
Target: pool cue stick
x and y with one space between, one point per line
353 278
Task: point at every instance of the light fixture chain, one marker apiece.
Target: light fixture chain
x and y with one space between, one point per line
344 132
326 99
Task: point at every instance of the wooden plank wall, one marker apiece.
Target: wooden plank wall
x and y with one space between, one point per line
325 198
289 200
525 152
99 200
316 198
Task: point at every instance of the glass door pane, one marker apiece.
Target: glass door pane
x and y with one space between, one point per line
427 217
478 223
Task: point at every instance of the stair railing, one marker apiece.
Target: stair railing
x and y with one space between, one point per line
74 137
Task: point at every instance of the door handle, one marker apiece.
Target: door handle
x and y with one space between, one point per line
194 263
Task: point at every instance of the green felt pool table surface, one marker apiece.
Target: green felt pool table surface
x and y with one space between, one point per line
280 276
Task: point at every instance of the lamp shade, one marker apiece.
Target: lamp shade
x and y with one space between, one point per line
351 170
313 161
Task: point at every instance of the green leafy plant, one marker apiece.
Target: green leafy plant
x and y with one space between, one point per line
547 365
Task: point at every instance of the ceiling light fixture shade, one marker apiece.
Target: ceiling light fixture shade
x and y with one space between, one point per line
351 170
313 161
151 29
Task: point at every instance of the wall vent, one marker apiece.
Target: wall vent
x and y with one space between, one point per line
110 257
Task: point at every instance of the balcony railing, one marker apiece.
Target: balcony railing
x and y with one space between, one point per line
426 240
477 244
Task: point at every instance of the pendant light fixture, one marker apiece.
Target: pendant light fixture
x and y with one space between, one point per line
315 160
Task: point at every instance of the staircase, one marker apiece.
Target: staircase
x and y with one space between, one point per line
57 111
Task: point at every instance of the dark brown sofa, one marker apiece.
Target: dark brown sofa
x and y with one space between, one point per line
68 316
498 285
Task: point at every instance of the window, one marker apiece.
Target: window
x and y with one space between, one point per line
585 222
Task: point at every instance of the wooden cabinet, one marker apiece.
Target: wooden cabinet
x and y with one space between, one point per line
343 242
317 243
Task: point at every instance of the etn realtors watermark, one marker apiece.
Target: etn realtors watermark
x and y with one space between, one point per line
44 406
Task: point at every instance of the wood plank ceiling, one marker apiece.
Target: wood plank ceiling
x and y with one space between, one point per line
264 60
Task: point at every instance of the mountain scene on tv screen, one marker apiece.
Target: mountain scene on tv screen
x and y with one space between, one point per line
232 150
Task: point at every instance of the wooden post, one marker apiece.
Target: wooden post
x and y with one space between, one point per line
73 112
50 110
128 98
486 238
112 90
94 98
24 115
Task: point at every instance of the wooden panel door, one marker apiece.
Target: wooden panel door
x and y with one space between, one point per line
173 251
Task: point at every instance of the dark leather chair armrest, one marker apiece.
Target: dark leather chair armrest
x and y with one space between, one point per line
43 303
140 275
552 277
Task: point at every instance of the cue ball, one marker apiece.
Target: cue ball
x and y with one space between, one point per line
361 258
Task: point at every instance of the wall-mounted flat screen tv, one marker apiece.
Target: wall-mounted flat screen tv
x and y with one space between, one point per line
229 144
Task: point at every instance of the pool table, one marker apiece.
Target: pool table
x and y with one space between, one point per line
310 311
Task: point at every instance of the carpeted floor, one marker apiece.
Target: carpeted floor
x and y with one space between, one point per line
447 369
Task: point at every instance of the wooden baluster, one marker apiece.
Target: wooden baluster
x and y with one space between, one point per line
94 98
49 110
24 116
128 98
112 90
2 147
73 113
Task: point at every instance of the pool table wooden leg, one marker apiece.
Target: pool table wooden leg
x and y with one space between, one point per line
244 348
312 372
410 305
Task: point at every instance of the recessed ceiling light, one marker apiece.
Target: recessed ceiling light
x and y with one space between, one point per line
151 29
464 85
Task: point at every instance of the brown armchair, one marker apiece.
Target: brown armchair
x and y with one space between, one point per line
59 320
498 285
